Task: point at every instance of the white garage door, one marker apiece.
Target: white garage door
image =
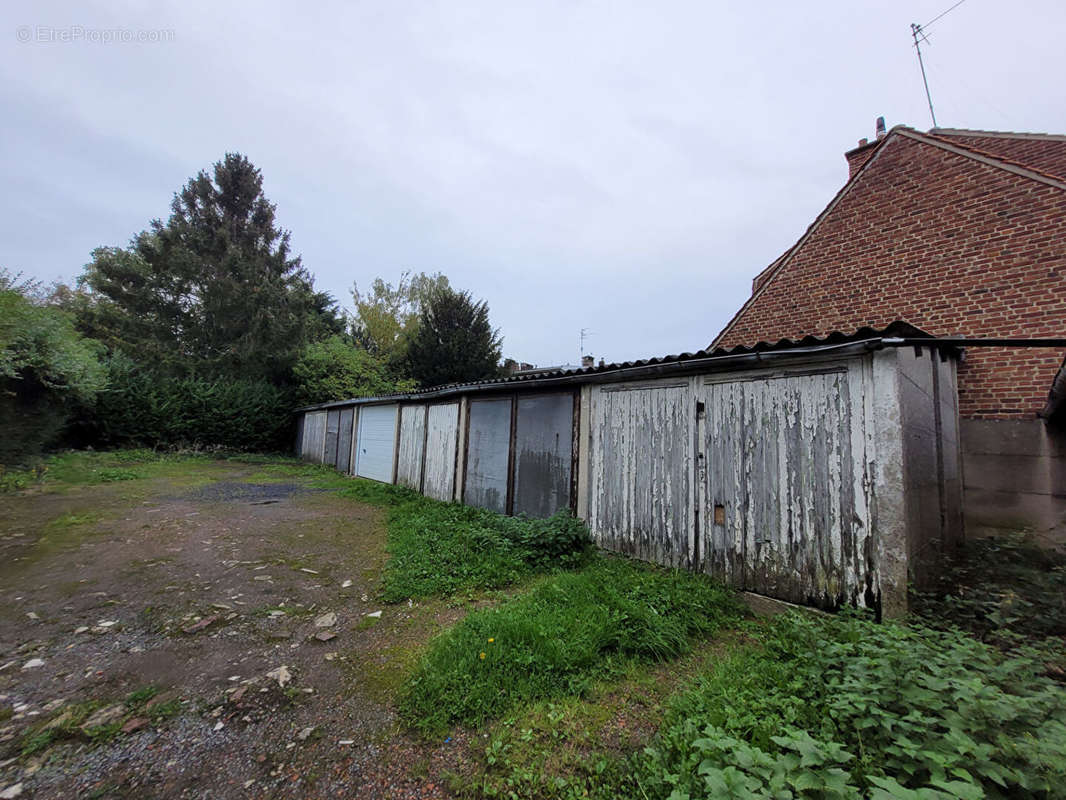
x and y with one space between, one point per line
376 443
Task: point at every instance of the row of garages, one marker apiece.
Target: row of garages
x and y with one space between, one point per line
513 454
819 475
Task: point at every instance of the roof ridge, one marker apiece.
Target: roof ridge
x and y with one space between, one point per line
1039 135
997 157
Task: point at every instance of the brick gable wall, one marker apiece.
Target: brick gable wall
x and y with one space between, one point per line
1045 155
942 241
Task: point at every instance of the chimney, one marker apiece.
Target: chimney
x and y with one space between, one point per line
861 154
586 362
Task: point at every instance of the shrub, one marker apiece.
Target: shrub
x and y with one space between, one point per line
841 707
553 640
46 368
1003 590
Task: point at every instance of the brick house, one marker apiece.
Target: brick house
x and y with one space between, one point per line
962 234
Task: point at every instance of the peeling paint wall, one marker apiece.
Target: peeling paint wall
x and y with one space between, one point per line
442 437
640 458
543 454
766 479
412 442
488 454
779 494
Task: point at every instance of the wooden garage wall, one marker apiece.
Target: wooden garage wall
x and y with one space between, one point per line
762 478
411 446
442 442
314 436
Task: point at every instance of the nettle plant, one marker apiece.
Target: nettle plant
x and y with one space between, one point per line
841 707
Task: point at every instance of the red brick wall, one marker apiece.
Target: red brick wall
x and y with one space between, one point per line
947 243
1046 155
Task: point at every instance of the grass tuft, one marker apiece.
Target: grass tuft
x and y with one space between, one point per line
441 548
554 640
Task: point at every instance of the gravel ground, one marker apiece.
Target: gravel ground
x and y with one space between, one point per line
203 595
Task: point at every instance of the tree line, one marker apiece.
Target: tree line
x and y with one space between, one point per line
207 330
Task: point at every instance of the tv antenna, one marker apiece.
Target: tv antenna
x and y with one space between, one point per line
585 333
919 37
918 34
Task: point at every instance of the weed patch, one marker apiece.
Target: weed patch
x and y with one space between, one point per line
554 640
1004 591
437 548
842 707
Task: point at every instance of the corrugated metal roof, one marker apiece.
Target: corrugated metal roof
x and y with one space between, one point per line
807 345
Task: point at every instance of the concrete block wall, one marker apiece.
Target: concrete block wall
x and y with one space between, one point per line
1015 478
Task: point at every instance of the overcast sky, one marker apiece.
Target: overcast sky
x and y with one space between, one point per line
625 167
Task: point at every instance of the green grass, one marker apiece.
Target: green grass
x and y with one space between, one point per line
556 639
843 707
438 549
580 747
441 548
90 468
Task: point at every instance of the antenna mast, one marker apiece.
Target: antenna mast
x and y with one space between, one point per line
917 33
585 333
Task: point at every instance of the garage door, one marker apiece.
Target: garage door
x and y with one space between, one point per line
344 439
640 462
412 442
543 454
333 427
442 438
314 435
779 496
376 443
488 453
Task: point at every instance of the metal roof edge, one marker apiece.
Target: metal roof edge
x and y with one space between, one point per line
898 334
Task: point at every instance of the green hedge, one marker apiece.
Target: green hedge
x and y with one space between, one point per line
142 409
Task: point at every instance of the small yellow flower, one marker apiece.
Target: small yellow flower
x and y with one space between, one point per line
491 641
482 656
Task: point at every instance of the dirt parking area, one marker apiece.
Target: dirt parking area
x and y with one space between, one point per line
210 633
